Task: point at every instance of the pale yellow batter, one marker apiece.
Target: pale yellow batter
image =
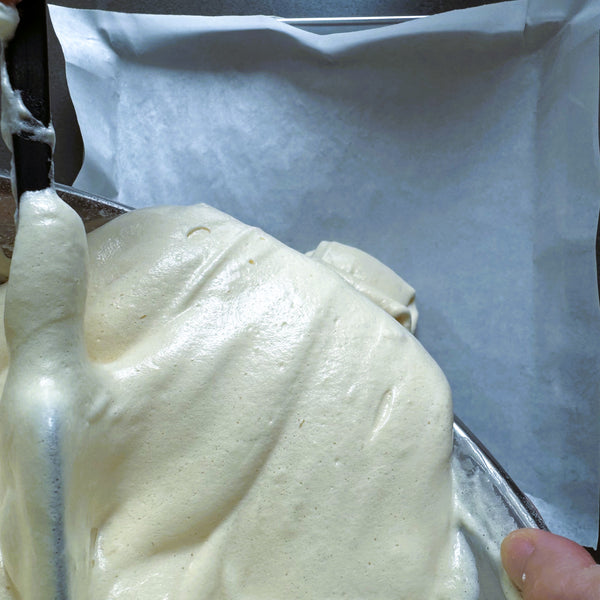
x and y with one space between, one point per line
215 416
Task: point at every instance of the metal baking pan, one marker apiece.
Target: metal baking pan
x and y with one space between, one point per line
326 25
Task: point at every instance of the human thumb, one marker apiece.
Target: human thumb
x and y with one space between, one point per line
545 566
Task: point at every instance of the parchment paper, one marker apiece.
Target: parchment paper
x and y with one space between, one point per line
461 150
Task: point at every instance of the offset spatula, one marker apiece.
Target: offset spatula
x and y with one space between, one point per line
27 65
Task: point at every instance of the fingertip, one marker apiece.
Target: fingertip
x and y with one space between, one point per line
545 566
515 551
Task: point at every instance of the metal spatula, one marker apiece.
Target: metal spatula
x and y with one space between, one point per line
27 66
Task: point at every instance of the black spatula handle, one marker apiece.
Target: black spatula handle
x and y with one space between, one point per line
27 65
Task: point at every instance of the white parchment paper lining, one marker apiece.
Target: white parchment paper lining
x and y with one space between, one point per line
461 150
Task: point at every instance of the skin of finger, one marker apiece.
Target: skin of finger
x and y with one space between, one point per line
545 566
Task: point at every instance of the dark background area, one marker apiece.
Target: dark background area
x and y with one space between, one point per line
69 147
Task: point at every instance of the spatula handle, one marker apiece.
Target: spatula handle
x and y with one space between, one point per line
27 64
